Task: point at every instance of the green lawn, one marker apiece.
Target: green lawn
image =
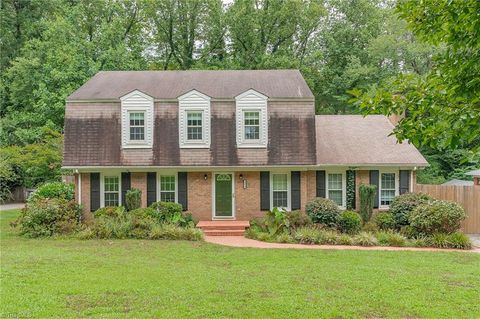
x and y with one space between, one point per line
166 279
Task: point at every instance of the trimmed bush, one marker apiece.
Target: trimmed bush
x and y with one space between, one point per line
385 221
402 206
53 190
365 239
48 217
323 211
367 197
133 199
391 238
350 222
109 211
298 218
437 217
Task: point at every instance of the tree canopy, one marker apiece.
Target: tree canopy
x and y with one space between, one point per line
421 57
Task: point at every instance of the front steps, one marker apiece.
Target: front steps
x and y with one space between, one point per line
223 227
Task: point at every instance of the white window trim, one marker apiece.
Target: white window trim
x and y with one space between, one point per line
344 186
128 105
397 186
194 101
251 101
289 190
102 187
159 186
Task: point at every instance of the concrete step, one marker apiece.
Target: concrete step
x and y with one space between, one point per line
223 232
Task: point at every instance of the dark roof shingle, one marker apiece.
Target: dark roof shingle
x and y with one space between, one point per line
171 84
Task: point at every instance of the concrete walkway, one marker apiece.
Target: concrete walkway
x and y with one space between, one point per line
239 241
12 206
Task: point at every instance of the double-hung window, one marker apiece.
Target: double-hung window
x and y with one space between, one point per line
280 190
167 188
387 188
111 190
137 126
251 125
335 188
194 126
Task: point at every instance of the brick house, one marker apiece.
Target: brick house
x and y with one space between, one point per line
225 144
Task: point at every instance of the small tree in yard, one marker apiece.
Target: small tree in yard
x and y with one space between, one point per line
367 196
133 199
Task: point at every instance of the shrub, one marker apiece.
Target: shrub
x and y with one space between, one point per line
48 217
365 239
459 240
323 211
437 217
172 232
367 197
328 237
350 222
167 212
344 239
298 218
370 227
284 238
390 238
385 221
133 199
53 190
403 205
105 227
307 235
140 225
276 221
109 211
439 240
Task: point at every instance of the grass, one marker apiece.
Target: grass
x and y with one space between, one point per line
69 278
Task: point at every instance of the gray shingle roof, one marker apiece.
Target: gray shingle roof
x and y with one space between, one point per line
172 84
357 140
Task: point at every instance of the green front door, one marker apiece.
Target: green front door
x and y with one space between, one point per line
223 195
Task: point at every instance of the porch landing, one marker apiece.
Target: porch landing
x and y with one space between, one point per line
223 227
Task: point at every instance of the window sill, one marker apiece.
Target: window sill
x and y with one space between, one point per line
252 146
194 146
137 146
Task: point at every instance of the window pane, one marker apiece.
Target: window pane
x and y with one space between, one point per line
167 183
167 196
336 196
194 125
335 181
137 119
280 182
194 133
252 125
387 197
137 133
111 184
111 199
280 199
388 181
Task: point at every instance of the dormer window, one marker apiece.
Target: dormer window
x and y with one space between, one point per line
194 126
137 126
137 120
252 120
194 120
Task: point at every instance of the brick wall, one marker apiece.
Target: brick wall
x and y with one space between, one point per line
139 181
311 185
247 200
361 177
87 215
200 195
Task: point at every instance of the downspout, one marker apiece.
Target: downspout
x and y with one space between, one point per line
79 187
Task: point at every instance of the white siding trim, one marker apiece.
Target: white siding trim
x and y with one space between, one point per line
251 100
194 101
137 101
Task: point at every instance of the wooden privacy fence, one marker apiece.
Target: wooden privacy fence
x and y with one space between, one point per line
467 196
